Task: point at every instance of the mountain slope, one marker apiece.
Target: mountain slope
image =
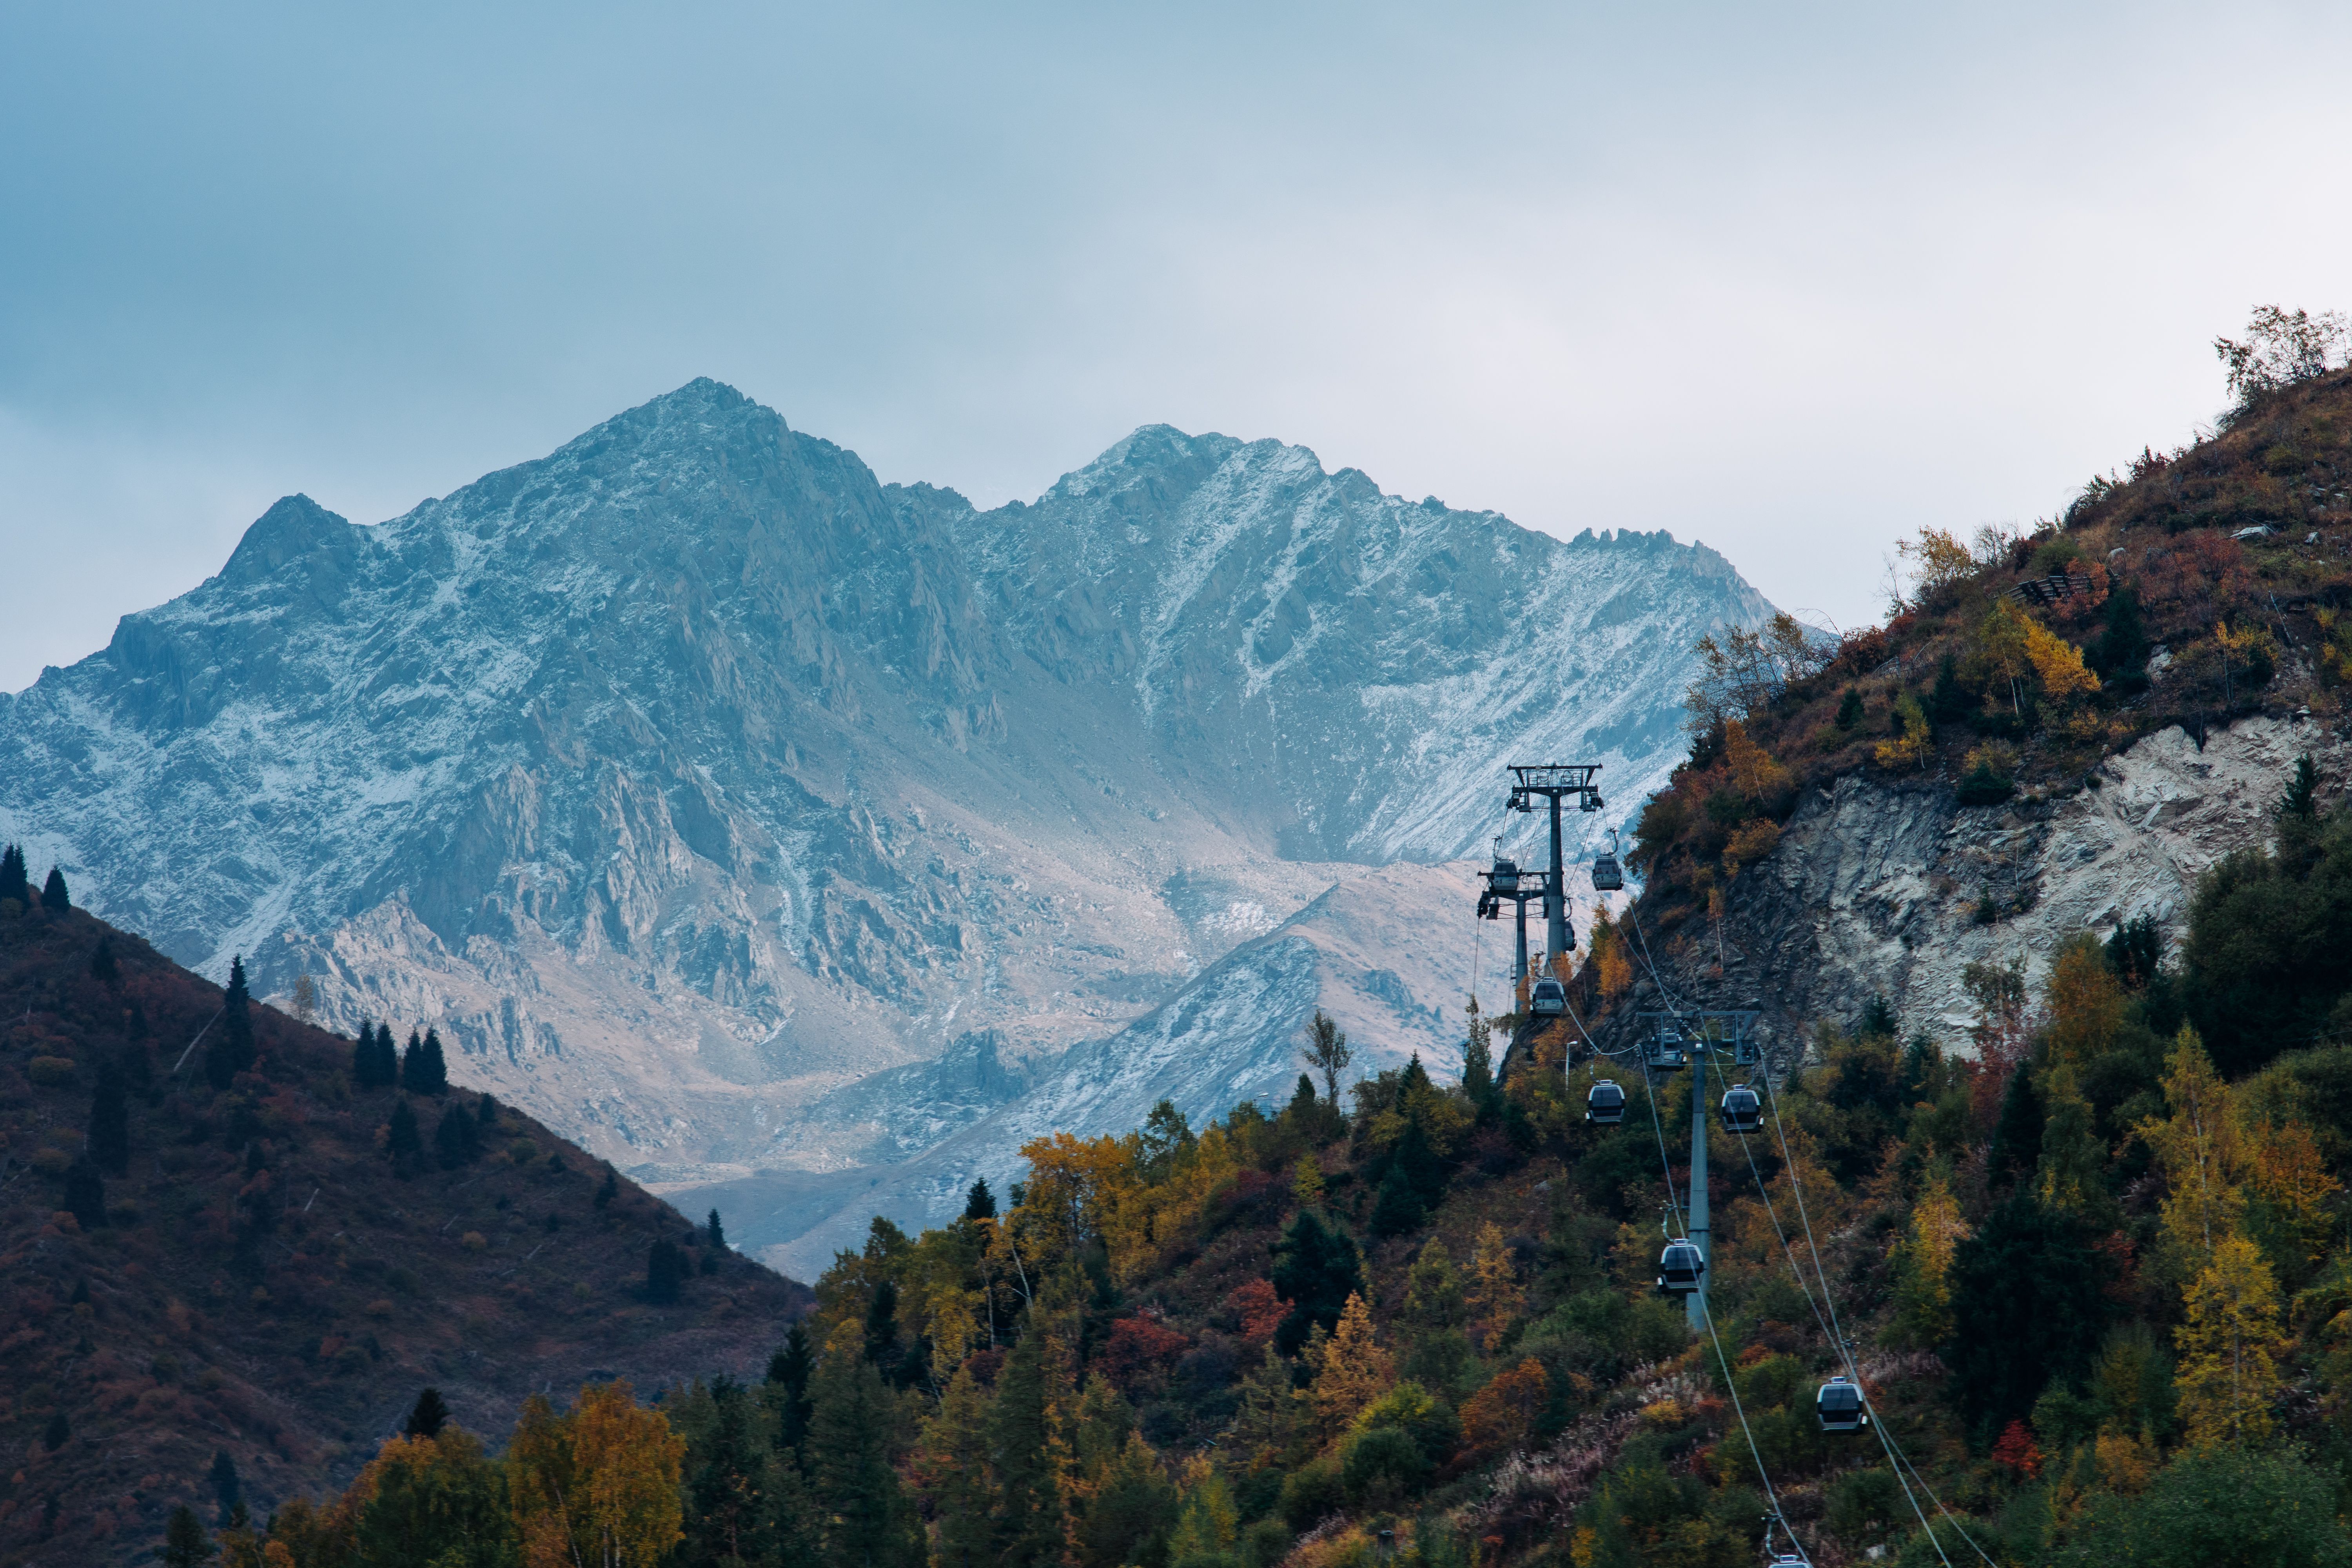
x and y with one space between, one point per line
268 1282
688 775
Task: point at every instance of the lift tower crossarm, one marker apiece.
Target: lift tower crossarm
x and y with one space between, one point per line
1554 781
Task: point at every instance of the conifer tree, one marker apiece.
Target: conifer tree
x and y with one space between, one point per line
1353 1371
1029 1524
979 1202
789 1371
402 1141
14 882
457 1139
185 1542
1316 1271
486 1110
85 1195
955 1465
427 1415
731 1479
102 966
54 896
229 1051
867 1520
664 1272
54 1436
610 1189
108 1142
716 1232
1850 710
228 1488
1134 1506
363 1058
424 1070
1495 1294
2227 1379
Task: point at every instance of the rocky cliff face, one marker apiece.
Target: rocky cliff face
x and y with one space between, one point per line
1875 887
689 778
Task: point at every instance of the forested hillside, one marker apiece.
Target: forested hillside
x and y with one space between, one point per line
2096 1280
235 1248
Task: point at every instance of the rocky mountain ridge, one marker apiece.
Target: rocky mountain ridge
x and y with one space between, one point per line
689 775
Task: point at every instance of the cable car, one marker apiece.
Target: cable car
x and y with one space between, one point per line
1743 1110
1505 876
1839 1405
1548 999
1664 1052
1608 877
1679 1268
1604 1104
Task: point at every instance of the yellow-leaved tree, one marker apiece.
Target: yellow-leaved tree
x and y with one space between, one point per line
2227 1378
1923 1292
1350 1372
596 1486
1495 1294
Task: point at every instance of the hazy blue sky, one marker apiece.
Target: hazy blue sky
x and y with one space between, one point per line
1790 279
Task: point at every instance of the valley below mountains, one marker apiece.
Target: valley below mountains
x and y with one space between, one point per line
772 830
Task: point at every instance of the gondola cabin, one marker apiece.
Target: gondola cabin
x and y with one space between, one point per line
1743 1110
1548 999
1608 877
1604 1104
1840 1407
1679 1268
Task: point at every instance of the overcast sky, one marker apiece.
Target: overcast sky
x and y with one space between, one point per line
1789 279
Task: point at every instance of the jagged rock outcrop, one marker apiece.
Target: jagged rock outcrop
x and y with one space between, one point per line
688 775
1876 886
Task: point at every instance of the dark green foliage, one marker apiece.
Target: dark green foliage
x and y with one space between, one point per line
1949 703
1382 1467
882 1347
789 1371
373 1063
13 883
1478 1086
1850 710
1128 1521
2268 934
1019 1443
744 1505
2026 1308
457 1139
1313 1493
666 1272
486 1111
53 892
108 1142
424 1069
228 1050
1398 1208
85 1195
979 1202
1878 1017
228 1488
2220 1508
2301 800
717 1233
2135 952
2017 1136
869 1523
54 1435
451 1514
1316 1269
102 966
610 1188
402 1141
1166 1136
427 1415
2119 656
187 1544
1984 784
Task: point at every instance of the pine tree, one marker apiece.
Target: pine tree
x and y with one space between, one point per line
53 892
424 1070
955 1467
2301 800
486 1111
867 1520
1134 1505
1478 1071
102 966
789 1371
1029 1526
610 1189
664 1272
402 1141
228 1488
363 1058
13 883
457 1139
85 1196
108 1142
729 1475
1398 1208
427 1415
1850 713
1316 1269
185 1542
230 1049
716 1232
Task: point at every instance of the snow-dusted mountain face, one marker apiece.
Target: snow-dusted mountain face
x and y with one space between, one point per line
734 811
